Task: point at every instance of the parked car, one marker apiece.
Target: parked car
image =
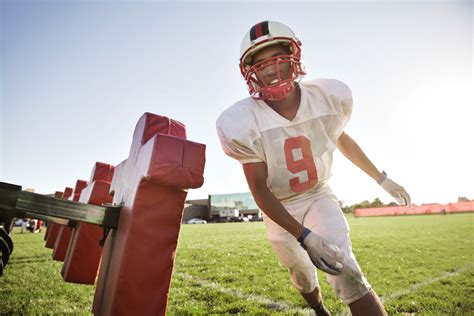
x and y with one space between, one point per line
197 221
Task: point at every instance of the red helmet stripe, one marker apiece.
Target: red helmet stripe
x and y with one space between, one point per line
258 30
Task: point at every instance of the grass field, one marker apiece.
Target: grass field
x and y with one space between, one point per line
417 264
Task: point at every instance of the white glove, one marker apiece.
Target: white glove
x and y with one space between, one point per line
323 254
395 190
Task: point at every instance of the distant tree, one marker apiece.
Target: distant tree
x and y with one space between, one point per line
347 209
364 204
392 204
463 199
377 203
344 207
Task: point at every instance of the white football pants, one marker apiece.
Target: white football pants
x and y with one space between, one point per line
324 217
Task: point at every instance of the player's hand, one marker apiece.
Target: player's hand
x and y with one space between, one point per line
395 190
323 254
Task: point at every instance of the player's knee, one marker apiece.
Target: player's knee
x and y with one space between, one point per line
303 278
350 285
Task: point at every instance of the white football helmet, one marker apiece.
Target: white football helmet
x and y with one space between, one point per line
262 35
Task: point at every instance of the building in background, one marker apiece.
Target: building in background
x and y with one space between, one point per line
196 209
227 203
218 206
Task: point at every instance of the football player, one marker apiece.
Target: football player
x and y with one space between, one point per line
284 136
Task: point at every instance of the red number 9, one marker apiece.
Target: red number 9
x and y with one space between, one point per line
303 163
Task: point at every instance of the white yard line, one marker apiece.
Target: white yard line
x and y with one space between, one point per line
415 287
284 307
275 305
424 283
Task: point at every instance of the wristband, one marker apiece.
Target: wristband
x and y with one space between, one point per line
303 235
382 177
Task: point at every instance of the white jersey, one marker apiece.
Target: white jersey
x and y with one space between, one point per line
298 153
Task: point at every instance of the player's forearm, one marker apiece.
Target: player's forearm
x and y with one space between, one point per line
273 208
354 153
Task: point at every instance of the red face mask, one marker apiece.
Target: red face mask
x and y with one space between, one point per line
273 78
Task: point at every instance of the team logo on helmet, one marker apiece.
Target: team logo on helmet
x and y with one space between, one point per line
262 35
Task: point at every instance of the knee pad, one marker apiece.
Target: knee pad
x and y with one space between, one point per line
303 277
350 285
299 265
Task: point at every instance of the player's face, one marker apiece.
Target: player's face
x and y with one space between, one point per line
270 68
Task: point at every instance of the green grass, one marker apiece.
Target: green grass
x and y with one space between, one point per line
231 268
32 283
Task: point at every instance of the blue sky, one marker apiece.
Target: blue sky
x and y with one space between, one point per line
77 75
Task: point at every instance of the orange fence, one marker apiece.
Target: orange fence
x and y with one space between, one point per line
459 207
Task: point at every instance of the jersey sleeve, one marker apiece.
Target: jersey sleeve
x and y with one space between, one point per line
239 136
340 96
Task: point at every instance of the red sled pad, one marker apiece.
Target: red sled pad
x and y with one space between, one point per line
67 193
155 124
149 125
80 185
117 186
83 256
102 171
62 243
138 256
50 226
53 233
166 160
177 162
48 230
53 229
63 238
97 192
59 240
